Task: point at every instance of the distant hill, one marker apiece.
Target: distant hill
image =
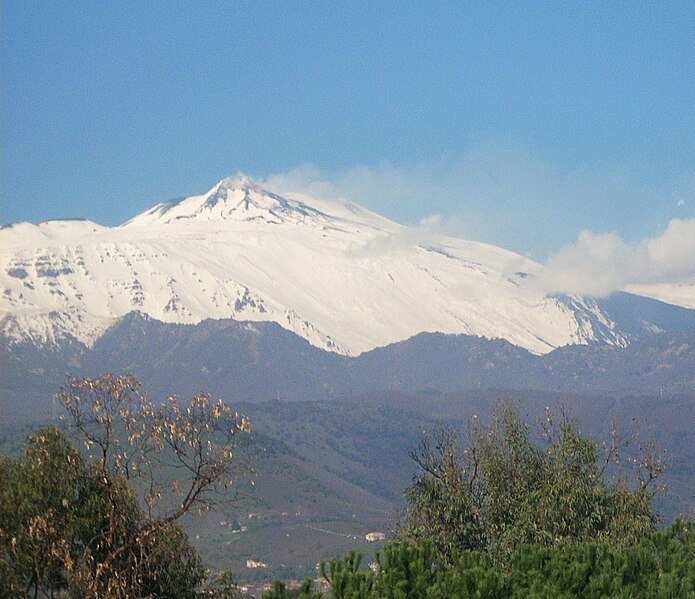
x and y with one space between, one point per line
262 361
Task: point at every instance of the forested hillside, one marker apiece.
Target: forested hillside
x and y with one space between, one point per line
319 475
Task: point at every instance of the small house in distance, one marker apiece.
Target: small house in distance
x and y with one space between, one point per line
372 537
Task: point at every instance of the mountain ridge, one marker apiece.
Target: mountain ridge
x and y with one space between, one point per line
345 279
265 362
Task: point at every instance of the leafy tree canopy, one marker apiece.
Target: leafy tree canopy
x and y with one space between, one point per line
658 565
505 490
103 521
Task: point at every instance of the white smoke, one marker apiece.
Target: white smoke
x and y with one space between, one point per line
598 264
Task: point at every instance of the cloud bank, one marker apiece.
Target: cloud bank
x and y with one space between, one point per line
505 195
502 193
497 194
406 238
599 264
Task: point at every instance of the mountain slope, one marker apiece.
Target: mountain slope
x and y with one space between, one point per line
341 277
262 361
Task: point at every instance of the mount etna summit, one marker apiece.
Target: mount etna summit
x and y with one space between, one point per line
341 277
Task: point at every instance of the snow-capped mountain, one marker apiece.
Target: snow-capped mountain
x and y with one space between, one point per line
344 278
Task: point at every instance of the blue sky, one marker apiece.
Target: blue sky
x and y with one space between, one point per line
518 123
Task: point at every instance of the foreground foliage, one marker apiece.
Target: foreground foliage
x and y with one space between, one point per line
103 522
507 517
512 517
660 565
504 490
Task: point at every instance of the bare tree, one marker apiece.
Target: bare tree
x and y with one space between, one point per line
177 457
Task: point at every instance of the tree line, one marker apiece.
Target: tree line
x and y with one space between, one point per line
510 515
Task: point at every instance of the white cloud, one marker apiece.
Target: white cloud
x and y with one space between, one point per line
598 264
383 185
406 238
386 189
504 196
497 193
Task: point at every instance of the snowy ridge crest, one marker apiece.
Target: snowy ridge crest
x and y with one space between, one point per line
235 198
343 278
